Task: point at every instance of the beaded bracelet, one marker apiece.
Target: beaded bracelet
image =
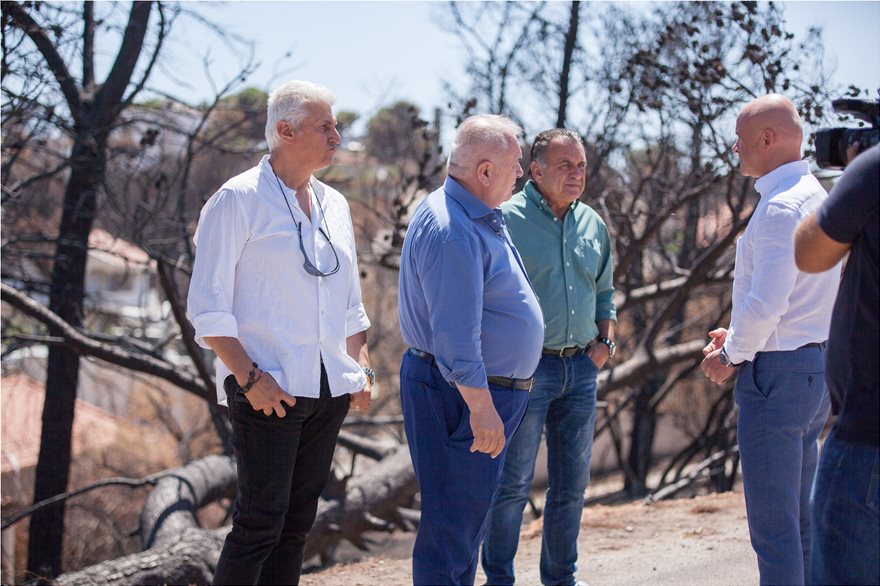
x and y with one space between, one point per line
251 381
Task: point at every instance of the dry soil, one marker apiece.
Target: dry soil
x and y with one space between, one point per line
699 541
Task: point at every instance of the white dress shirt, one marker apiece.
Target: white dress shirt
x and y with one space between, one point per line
775 306
249 283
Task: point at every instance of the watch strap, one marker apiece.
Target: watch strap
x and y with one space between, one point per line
610 343
724 357
371 374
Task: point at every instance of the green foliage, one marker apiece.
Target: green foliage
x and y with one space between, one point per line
394 134
344 120
250 99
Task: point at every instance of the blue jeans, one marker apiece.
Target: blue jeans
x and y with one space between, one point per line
562 401
456 485
783 405
846 514
283 466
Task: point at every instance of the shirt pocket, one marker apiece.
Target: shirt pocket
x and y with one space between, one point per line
587 254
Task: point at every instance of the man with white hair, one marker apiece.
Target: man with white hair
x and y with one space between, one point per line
475 331
275 293
776 342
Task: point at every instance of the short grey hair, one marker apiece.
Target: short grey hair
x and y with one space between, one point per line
543 140
289 103
477 133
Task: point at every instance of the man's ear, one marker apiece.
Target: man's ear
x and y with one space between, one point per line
484 172
285 131
768 137
535 170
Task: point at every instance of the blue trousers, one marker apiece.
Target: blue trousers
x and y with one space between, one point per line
562 402
456 485
846 514
783 405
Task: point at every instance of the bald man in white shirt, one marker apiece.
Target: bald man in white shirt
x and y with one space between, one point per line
275 293
775 344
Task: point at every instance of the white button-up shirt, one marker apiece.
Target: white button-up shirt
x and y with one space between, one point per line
775 306
249 283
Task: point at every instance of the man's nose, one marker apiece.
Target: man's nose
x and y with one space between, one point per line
519 171
735 147
335 137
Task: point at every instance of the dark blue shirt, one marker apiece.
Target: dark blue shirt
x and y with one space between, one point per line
850 215
464 295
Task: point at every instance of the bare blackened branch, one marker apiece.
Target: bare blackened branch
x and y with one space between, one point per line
23 20
86 345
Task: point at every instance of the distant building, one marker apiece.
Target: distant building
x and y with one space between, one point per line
99 437
121 281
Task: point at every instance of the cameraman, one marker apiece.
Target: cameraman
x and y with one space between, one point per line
846 518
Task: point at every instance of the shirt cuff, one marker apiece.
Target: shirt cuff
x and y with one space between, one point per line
356 320
606 313
214 324
735 356
470 374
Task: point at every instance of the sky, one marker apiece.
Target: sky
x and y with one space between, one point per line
373 53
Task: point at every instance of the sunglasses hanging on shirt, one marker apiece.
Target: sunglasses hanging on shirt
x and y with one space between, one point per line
307 264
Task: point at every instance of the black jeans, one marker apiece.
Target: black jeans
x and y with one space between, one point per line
283 466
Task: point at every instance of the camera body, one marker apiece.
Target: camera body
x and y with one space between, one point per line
832 143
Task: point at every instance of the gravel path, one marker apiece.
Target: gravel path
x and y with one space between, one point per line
699 541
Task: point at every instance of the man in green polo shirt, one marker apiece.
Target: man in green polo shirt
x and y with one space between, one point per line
566 249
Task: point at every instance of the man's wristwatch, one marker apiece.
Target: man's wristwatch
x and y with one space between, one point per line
611 345
371 374
725 359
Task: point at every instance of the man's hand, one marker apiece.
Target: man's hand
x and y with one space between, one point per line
852 151
267 396
599 353
356 346
488 431
361 400
713 369
718 336
486 425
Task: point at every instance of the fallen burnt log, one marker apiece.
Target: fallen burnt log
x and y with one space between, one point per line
178 551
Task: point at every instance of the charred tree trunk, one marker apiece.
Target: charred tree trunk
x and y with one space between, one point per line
177 551
371 497
66 300
94 109
567 57
191 558
173 504
642 439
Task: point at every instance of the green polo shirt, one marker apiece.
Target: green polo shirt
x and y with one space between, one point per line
569 263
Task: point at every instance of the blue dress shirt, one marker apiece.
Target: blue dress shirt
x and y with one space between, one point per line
464 294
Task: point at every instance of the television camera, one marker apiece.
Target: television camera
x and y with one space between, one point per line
832 144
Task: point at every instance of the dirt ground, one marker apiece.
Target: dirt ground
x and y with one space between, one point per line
698 541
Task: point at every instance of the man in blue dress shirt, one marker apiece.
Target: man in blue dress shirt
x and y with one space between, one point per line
566 250
475 331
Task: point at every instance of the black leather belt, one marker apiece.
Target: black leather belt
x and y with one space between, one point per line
564 352
420 354
813 345
517 384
